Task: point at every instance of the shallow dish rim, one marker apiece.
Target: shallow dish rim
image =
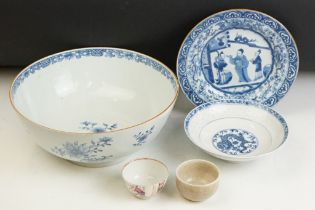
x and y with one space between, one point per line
274 113
103 132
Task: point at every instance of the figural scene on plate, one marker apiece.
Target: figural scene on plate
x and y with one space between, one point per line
236 60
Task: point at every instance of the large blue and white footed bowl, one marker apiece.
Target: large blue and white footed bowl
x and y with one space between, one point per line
94 106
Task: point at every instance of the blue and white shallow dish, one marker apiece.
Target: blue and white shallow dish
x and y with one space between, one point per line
94 106
237 54
236 130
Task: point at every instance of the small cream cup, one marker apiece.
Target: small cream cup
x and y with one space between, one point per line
197 179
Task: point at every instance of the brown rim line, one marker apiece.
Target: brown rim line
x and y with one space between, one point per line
238 9
144 158
104 132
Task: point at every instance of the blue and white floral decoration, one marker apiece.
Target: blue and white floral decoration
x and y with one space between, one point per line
209 70
85 152
97 127
142 136
92 52
235 141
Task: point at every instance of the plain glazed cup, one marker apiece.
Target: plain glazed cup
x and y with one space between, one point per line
145 177
197 179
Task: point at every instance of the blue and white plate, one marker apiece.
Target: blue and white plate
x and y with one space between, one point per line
237 54
236 130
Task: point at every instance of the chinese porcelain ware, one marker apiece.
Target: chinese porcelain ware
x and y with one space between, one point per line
197 180
236 130
237 54
145 177
94 106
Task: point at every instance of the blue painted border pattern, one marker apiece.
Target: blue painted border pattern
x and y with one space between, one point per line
293 60
91 52
192 113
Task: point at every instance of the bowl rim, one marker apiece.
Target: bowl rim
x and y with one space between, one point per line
146 159
103 132
232 102
194 161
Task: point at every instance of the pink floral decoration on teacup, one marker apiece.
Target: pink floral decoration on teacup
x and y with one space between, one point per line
145 177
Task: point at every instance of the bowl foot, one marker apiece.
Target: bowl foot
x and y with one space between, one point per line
97 165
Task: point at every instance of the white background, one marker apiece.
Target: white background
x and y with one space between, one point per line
30 178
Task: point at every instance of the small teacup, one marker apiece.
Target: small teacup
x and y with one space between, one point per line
145 177
197 180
